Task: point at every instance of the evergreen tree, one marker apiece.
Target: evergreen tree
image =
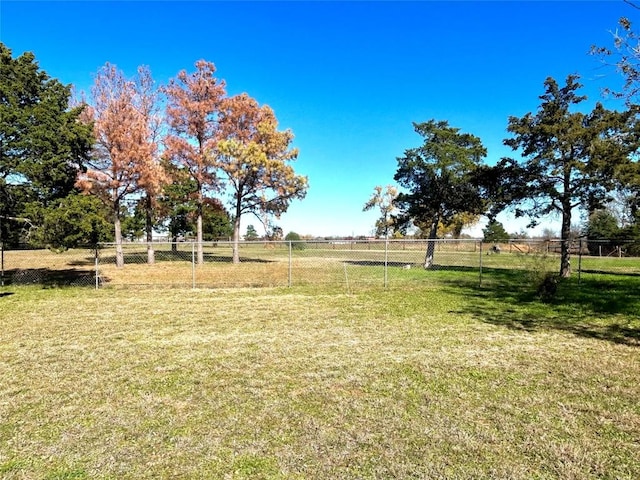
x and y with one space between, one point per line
494 232
251 233
438 178
256 160
43 147
570 159
193 109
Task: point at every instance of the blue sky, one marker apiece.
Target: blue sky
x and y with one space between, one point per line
348 78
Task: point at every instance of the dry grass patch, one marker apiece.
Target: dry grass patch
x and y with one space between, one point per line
277 383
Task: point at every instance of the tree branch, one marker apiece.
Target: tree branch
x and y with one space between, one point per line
17 219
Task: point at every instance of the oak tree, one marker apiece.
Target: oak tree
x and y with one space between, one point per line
457 224
177 206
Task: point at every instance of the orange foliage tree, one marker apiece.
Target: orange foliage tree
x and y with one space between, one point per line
193 105
255 159
154 177
124 157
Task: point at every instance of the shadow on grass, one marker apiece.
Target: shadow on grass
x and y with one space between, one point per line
50 278
436 268
5 294
604 307
608 272
177 256
381 263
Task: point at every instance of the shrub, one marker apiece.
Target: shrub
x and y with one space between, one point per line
548 286
296 242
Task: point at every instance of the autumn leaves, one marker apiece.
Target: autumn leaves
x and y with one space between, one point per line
228 146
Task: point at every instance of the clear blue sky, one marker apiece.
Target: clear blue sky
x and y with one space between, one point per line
348 78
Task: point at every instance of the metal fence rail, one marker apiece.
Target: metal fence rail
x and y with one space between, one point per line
346 263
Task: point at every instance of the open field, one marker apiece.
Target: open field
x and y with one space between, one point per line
434 379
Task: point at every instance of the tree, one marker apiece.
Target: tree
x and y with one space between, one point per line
153 177
626 60
273 232
570 159
292 237
216 222
177 207
73 221
438 177
193 109
548 234
179 213
296 242
43 146
452 229
124 156
494 232
601 229
255 159
251 234
133 220
384 200
457 223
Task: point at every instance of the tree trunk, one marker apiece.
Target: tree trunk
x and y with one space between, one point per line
565 232
236 236
200 254
118 238
565 256
151 258
431 245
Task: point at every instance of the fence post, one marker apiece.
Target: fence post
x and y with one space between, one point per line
480 263
579 261
290 266
193 265
386 261
96 267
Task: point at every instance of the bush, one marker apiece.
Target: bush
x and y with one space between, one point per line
542 276
548 287
296 242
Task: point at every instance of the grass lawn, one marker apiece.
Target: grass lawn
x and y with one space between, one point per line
428 380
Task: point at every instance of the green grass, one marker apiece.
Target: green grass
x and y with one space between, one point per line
437 379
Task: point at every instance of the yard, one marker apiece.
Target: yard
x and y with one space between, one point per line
430 379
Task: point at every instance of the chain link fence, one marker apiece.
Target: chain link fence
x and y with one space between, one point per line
28 266
344 263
